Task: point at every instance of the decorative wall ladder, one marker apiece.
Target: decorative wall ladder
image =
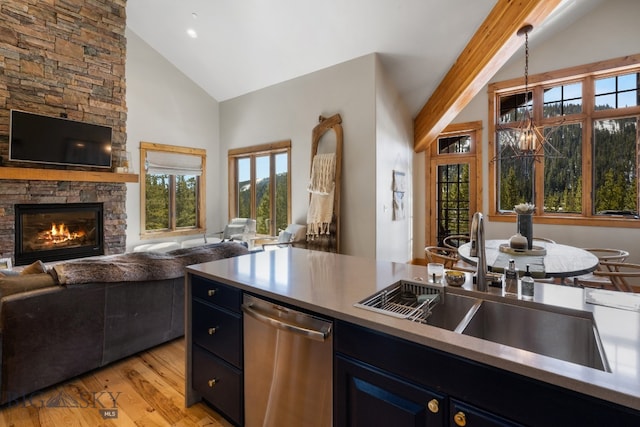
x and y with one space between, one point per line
329 242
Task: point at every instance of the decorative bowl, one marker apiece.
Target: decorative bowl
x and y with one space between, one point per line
454 278
518 241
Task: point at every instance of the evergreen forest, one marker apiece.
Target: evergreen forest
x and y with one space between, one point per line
158 210
263 204
453 200
614 172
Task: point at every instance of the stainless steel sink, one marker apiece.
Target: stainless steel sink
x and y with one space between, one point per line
451 310
569 335
402 299
420 302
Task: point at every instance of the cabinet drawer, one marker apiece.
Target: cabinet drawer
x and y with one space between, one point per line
464 414
217 330
219 384
216 293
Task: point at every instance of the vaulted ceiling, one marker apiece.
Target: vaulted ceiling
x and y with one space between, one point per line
438 53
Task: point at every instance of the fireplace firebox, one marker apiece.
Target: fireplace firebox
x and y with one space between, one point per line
53 232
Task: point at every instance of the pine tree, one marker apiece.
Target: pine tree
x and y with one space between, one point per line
186 203
157 202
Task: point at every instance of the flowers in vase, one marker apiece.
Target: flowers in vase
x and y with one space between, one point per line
524 208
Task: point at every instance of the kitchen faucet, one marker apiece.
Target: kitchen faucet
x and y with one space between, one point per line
478 250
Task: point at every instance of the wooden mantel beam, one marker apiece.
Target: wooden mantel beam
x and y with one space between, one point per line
491 46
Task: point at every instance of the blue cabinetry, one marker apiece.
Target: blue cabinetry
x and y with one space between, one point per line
376 369
371 397
216 351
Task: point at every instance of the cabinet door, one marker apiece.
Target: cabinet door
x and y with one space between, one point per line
462 414
367 397
219 384
218 331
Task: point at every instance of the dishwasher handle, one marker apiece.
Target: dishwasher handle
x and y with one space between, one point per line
320 333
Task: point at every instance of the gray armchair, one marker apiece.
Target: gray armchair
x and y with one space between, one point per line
238 229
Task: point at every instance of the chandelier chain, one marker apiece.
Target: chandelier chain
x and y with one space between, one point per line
526 66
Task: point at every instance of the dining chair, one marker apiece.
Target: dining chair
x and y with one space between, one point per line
607 260
623 276
454 241
609 255
449 257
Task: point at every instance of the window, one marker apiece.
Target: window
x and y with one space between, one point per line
454 181
617 91
615 164
590 115
172 190
260 185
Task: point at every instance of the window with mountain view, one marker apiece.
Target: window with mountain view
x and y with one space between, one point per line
171 190
260 185
589 119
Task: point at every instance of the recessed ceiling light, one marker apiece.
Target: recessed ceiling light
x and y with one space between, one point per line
192 33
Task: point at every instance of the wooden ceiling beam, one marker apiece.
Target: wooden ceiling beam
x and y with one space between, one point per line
490 47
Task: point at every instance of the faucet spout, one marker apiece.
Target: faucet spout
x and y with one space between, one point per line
478 250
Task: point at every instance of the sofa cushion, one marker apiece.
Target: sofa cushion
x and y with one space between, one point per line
14 284
36 267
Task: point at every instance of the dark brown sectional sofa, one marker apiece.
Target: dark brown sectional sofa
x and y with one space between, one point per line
85 314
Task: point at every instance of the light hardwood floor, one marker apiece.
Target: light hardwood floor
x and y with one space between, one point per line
148 389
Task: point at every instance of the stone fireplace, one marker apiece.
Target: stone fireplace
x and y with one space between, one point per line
64 58
53 232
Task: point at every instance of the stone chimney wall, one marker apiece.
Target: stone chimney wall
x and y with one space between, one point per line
64 57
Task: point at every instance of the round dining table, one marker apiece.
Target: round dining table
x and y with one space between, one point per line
546 260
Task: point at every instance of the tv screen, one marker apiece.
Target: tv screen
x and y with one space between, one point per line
44 139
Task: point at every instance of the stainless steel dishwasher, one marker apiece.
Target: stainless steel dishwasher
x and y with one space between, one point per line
288 366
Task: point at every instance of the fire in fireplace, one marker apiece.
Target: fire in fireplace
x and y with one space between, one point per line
52 232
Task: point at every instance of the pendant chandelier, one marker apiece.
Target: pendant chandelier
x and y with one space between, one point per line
527 141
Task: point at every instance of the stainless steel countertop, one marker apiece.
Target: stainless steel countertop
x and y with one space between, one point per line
330 284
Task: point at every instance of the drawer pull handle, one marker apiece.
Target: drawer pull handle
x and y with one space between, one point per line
213 330
460 419
433 406
212 382
211 292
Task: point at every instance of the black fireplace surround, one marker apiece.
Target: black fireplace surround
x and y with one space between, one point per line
59 231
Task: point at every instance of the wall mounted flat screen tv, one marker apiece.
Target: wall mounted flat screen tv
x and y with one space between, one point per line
43 139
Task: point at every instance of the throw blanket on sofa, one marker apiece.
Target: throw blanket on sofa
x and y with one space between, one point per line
141 266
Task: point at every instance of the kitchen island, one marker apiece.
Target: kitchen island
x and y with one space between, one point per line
458 378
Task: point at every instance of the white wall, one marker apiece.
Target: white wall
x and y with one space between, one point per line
290 110
165 107
609 31
394 152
